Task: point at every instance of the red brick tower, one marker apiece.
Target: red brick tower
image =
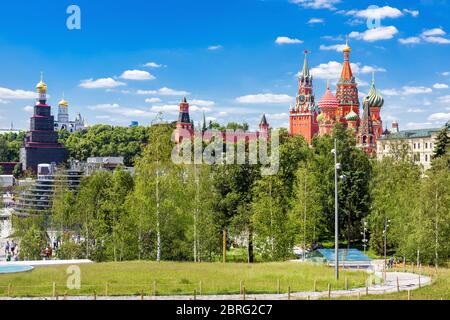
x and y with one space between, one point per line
347 89
303 117
184 124
264 127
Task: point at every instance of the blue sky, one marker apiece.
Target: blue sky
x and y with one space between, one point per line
233 59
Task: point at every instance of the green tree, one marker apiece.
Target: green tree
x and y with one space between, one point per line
442 144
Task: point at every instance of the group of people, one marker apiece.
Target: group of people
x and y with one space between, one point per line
11 251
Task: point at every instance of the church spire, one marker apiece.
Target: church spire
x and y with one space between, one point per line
347 74
305 71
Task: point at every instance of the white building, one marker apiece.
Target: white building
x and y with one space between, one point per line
420 143
63 121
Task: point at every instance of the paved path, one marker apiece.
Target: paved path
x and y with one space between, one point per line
39 263
406 281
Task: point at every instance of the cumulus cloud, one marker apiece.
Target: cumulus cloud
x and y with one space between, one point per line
6 93
409 40
102 83
444 99
29 109
332 70
315 21
335 47
287 40
163 92
375 34
317 4
152 65
440 86
153 100
137 75
202 103
414 13
440 116
418 125
115 108
407 90
265 98
215 47
376 13
433 32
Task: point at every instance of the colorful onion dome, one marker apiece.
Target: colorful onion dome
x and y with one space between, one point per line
347 47
352 116
328 100
320 117
374 98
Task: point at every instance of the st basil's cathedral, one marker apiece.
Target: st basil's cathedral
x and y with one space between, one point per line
310 119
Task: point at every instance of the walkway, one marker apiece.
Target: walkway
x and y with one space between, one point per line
395 281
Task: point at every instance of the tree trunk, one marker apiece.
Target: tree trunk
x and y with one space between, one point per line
250 247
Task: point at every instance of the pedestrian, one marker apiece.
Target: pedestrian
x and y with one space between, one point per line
7 248
13 246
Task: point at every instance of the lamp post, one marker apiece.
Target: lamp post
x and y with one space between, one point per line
386 226
337 167
364 235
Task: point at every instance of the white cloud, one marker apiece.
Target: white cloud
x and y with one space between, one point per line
315 21
444 99
440 116
263 98
416 110
4 101
390 92
376 34
438 40
137 75
202 103
336 47
163 92
101 83
29 109
407 90
152 65
445 73
215 47
433 32
409 40
170 108
376 13
6 93
333 69
317 4
414 13
123 111
440 86
333 38
418 125
153 100
287 40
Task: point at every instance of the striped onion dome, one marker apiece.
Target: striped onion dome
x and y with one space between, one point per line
328 100
352 116
374 98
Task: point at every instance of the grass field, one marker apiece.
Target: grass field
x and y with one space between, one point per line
171 278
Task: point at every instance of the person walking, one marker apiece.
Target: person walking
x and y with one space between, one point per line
13 247
7 248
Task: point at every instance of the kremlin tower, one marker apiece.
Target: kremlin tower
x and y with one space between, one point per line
41 142
303 117
184 121
342 107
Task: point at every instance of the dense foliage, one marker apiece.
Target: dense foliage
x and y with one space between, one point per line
184 212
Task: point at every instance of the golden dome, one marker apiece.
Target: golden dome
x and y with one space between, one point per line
347 47
41 86
63 103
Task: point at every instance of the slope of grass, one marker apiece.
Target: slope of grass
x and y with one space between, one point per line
172 278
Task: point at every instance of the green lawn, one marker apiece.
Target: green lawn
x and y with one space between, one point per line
172 278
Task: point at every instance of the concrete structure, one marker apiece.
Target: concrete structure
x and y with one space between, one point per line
420 143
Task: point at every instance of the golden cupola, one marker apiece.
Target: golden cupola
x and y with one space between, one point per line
63 103
41 87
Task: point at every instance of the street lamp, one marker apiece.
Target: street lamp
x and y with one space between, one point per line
364 235
337 167
386 226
